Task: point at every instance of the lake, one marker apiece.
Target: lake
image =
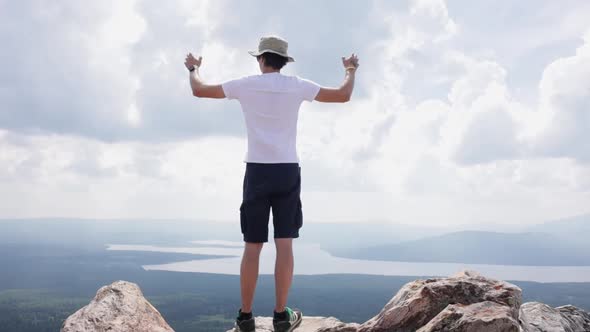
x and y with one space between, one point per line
310 259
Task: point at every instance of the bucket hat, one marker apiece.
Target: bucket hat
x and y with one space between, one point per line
273 44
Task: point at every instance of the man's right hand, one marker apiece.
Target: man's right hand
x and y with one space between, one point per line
343 93
352 61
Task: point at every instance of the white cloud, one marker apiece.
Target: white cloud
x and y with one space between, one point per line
68 176
66 71
565 106
491 136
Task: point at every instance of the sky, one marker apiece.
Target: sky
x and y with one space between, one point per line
464 112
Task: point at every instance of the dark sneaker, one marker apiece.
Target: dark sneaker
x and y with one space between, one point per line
291 321
243 324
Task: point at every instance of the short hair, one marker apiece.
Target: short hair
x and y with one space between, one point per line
273 60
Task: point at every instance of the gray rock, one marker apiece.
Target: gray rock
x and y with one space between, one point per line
420 301
309 324
466 302
539 317
579 319
478 317
118 307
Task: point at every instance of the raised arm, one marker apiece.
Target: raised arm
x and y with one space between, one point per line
198 87
343 93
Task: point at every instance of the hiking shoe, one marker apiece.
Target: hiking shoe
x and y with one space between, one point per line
245 324
291 321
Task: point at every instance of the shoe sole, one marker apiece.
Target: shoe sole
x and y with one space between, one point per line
237 328
296 324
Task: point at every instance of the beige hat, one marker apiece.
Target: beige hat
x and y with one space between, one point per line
273 44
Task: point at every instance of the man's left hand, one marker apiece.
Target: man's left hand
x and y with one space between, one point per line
191 62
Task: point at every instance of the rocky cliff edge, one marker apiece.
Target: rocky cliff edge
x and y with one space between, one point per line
466 302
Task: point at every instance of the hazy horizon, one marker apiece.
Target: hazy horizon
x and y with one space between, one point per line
491 226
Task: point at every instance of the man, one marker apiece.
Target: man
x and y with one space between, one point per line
270 103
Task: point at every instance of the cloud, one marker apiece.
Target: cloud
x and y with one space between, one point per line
65 73
62 175
113 71
490 137
565 104
488 129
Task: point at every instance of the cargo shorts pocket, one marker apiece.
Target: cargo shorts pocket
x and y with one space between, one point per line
299 215
243 218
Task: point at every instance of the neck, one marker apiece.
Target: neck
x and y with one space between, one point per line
266 70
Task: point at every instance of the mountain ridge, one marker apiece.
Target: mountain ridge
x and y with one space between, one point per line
481 247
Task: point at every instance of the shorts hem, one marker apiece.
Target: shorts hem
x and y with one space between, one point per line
287 236
255 240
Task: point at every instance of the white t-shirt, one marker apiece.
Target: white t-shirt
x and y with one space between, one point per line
270 103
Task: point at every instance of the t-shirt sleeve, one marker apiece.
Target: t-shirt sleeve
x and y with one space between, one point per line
233 88
308 89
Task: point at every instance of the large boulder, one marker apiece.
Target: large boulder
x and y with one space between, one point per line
309 324
539 317
118 307
420 301
478 317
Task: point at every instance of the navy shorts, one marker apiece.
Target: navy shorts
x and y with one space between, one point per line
266 187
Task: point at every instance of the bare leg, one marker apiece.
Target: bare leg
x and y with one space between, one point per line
283 272
249 274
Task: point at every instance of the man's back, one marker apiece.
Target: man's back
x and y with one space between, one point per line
270 103
272 178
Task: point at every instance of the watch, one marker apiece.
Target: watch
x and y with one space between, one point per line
192 69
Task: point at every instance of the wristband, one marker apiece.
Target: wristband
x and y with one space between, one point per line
347 68
192 69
